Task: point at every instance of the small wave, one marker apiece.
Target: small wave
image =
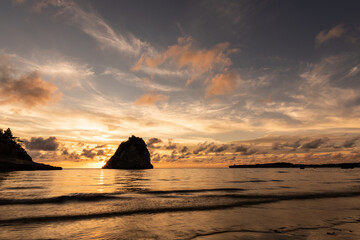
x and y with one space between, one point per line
295 196
59 199
103 196
30 220
23 188
246 200
256 181
193 190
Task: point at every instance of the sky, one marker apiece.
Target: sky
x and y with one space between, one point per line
204 83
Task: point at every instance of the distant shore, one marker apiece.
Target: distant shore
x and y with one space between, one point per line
301 166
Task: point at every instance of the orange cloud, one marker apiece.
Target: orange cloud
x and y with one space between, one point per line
324 36
184 55
149 99
223 83
29 90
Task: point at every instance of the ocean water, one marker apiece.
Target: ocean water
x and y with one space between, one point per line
181 204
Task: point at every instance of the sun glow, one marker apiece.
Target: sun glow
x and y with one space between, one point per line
94 165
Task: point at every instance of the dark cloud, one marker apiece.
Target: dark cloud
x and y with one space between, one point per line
184 149
174 157
39 143
250 151
276 146
100 146
170 144
350 142
152 141
241 148
201 147
217 149
100 152
65 152
73 156
29 90
155 158
293 145
314 143
246 150
89 153
280 117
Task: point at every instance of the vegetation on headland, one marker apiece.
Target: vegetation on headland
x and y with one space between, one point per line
10 147
14 157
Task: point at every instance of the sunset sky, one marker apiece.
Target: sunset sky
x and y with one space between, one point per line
204 83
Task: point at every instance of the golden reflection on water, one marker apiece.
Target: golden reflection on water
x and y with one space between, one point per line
101 181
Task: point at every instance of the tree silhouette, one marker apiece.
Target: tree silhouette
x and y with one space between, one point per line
9 148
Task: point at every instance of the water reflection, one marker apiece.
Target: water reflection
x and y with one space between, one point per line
101 181
132 180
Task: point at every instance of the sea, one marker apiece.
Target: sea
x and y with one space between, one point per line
181 204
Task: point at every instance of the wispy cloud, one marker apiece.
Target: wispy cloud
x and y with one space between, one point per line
53 65
95 26
335 32
143 83
151 99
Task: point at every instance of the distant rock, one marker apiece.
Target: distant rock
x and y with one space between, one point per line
13 156
132 154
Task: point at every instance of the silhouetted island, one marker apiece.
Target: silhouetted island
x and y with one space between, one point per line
301 166
13 156
132 154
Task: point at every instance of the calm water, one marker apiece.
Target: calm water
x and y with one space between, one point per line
181 204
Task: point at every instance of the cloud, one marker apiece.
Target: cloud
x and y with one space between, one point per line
100 152
245 150
195 63
350 142
143 83
241 148
152 141
201 147
44 144
184 55
221 84
95 26
294 145
314 143
276 146
89 153
29 90
170 145
150 99
155 158
325 36
216 149
184 149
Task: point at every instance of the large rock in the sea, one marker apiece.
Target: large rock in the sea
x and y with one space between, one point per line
13 156
132 154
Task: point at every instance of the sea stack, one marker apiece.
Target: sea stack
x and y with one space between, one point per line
131 154
13 156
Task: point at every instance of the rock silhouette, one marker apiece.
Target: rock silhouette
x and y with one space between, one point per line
13 156
132 154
